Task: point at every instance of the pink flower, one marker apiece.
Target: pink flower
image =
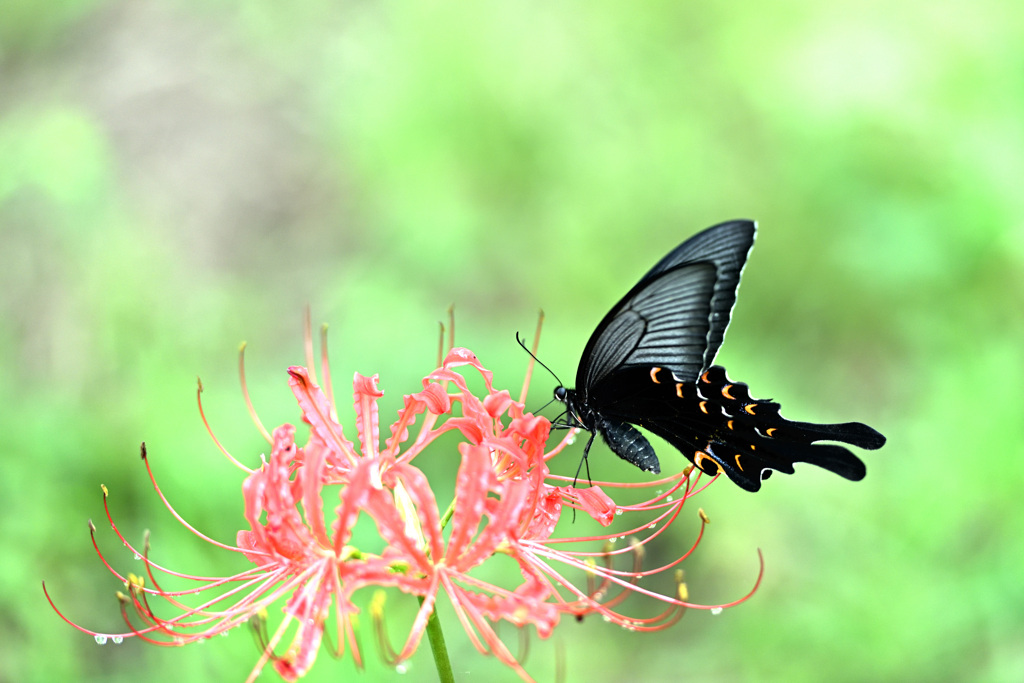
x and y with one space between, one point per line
506 504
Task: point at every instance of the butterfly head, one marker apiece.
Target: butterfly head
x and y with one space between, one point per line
577 415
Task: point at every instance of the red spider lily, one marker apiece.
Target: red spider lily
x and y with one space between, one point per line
506 503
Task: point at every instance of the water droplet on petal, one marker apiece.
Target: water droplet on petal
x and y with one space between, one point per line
716 610
402 669
100 640
117 640
670 498
137 556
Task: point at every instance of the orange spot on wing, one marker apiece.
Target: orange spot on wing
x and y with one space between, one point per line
770 430
703 407
698 459
725 392
738 462
704 378
679 389
729 424
654 375
750 408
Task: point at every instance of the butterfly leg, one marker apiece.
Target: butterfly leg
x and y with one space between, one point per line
584 460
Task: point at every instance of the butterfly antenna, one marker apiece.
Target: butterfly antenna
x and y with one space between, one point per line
523 344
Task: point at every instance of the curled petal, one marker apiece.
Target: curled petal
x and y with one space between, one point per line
545 515
436 399
496 404
317 412
596 503
367 422
460 356
475 478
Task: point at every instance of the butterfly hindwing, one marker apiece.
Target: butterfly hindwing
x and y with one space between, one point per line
718 425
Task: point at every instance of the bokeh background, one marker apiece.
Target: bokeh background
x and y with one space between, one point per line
177 177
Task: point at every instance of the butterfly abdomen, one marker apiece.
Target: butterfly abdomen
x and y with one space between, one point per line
629 444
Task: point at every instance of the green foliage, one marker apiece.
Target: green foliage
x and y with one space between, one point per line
176 177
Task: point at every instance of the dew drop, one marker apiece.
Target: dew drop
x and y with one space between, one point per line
619 512
137 556
670 498
100 640
117 640
651 525
716 610
402 669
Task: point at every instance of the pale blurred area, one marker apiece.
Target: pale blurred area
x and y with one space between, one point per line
177 177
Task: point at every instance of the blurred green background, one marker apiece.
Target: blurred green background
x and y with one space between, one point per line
176 177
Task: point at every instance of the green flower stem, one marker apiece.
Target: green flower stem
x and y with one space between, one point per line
447 516
437 646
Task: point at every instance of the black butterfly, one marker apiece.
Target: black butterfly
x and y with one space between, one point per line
649 363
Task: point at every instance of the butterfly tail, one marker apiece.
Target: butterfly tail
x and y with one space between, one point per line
854 433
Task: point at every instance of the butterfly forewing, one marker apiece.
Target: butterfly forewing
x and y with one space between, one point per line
665 321
726 245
